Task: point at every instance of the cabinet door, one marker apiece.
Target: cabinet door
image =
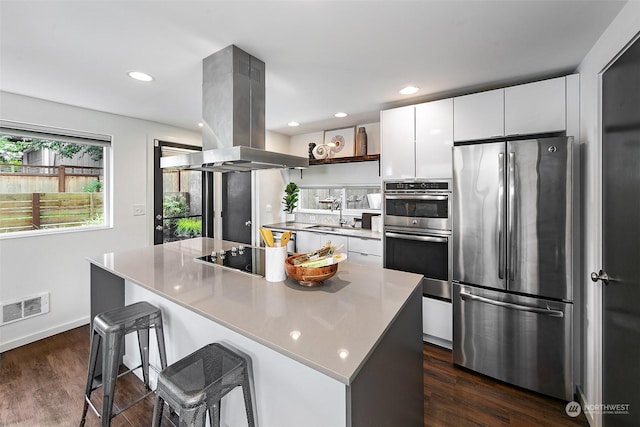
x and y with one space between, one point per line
437 321
479 115
535 107
434 139
307 241
397 130
365 246
365 259
336 240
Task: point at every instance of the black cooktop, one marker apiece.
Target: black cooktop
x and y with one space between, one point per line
247 259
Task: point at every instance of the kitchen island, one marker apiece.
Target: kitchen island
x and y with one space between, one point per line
347 353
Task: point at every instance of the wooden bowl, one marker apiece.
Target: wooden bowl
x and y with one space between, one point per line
308 276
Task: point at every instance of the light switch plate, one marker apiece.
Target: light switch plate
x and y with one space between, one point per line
138 210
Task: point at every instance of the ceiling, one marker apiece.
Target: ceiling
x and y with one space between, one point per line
321 56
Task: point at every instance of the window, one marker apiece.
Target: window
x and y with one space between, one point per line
350 197
52 179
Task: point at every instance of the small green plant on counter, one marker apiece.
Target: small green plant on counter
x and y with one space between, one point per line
189 227
290 198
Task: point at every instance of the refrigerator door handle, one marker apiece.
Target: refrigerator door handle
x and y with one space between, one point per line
511 264
501 215
519 307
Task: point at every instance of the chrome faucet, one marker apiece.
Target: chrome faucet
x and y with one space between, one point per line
337 204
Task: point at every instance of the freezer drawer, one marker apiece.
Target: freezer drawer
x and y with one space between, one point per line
520 340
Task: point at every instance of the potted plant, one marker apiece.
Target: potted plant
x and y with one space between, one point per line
290 199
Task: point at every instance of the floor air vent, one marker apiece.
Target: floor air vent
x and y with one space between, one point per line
13 311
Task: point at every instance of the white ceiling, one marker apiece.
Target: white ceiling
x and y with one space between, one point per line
321 56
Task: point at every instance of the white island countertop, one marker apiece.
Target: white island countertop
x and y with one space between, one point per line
332 328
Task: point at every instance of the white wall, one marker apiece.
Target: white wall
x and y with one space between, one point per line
269 186
55 263
615 38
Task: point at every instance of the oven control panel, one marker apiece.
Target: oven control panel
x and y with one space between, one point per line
417 185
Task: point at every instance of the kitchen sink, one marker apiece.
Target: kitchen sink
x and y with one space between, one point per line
329 228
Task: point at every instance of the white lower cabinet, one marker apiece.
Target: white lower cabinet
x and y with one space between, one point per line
307 241
437 322
365 251
359 250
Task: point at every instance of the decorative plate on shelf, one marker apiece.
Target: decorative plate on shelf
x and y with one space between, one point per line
340 142
337 143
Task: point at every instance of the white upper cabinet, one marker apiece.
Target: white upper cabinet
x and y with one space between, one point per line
434 139
397 131
479 115
417 140
535 107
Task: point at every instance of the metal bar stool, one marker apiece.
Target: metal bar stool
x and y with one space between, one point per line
195 385
109 330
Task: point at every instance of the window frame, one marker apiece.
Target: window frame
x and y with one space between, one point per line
343 196
29 130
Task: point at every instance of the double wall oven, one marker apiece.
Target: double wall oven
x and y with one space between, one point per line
417 232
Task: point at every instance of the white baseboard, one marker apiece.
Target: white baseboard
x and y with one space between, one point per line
28 339
437 341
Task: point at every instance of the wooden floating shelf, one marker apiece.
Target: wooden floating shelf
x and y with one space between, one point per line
354 159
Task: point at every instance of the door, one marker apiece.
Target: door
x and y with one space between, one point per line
178 197
540 217
479 214
621 236
236 207
426 254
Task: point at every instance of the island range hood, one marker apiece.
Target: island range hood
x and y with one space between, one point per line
233 104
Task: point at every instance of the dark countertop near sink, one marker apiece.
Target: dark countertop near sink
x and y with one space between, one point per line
325 228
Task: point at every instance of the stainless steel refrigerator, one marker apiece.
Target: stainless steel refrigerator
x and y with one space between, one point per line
515 260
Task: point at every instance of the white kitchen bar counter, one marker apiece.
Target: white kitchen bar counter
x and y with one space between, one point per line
347 353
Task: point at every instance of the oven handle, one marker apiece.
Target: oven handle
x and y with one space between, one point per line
537 310
418 238
415 197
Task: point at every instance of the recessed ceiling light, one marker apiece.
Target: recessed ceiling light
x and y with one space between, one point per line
139 75
293 124
200 124
340 114
295 335
409 90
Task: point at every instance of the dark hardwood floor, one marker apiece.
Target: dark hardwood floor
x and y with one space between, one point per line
42 384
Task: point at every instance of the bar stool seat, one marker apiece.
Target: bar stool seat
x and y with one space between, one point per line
109 330
195 385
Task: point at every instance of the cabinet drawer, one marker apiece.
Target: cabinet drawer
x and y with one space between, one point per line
365 246
364 259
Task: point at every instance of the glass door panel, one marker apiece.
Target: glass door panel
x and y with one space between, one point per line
179 196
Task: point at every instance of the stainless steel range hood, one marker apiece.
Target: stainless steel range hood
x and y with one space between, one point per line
233 103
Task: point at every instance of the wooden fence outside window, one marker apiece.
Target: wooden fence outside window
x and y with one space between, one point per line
39 197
